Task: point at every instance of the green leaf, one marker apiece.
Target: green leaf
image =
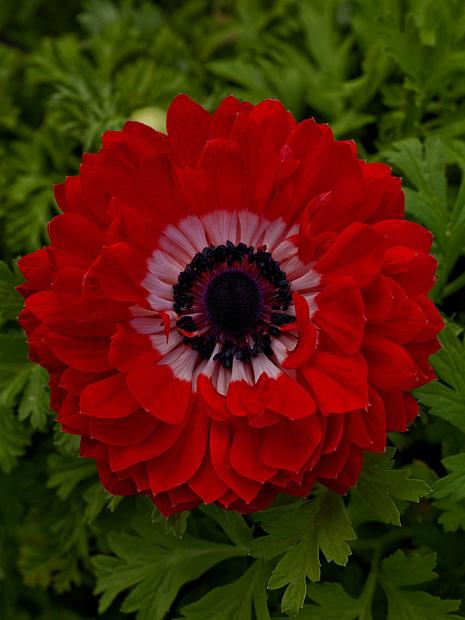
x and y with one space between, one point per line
333 603
452 515
300 531
449 494
234 601
14 373
97 498
66 472
154 567
33 405
446 397
13 354
13 436
407 605
410 570
399 571
175 525
54 543
380 487
232 523
427 200
10 300
395 573
452 485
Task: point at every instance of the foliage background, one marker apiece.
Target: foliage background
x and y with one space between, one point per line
389 73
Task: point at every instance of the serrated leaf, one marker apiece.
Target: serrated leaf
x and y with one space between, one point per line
395 573
14 373
446 397
449 494
234 601
33 405
300 531
66 472
452 515
53 543
10 300
399 571
425 166
175 525
452 485
232 523
97 498
333 603
380 486
412 605
154 566
13 438
410 570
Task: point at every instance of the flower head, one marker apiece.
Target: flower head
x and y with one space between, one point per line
231 310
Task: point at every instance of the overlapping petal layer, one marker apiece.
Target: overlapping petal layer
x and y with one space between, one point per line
330 381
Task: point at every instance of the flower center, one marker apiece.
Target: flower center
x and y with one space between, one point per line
234 301
232 298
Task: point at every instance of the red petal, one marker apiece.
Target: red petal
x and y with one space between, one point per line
260 161
215 402
389 364
160 393
273 117
341 313
357 252
330 465
339 383
405 322
413 270
378 298
281 395
225 116
75 241
394 407
161 440
206 483
89 354
405 233
119 269
38 270
188 126
112 483
288 445
245 453
219 449
222 166
130 350
307 335
125 431
108 398
187 455
374 419
348 475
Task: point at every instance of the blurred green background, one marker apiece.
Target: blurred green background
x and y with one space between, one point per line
388 73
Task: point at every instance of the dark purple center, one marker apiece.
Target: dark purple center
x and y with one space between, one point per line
234 301
234 296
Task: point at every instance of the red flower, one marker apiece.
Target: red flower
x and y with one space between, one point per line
233 310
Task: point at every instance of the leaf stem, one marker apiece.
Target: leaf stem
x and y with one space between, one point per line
368 593
382 541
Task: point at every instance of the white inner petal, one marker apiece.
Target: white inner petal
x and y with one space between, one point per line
177 247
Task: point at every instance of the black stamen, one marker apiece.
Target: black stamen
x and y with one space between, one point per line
234 303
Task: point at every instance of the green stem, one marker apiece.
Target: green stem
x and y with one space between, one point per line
382 541
368 593
378 545
454 286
